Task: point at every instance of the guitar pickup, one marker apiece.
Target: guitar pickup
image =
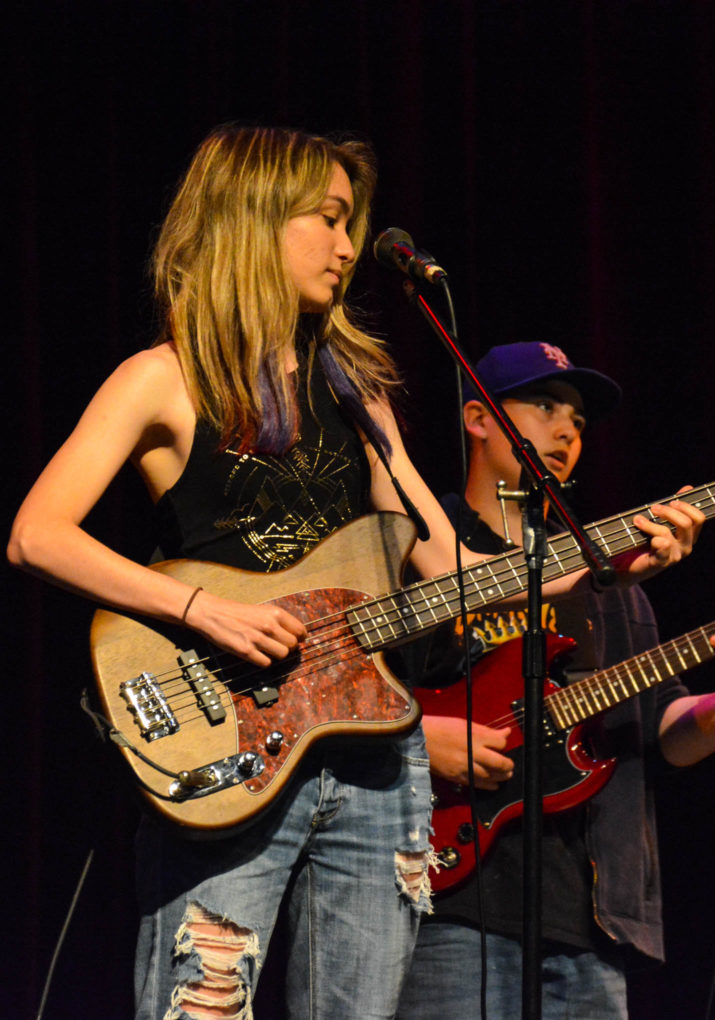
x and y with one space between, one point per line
264 696
202 685
550 728
149 706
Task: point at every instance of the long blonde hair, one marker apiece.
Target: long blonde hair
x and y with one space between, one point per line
227 301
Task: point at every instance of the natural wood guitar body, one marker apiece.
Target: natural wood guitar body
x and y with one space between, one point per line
332 688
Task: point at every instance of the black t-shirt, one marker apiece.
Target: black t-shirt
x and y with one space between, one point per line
567 911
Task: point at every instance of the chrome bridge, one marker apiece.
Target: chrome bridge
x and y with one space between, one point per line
149 707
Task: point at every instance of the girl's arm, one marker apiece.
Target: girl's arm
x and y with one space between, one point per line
144 396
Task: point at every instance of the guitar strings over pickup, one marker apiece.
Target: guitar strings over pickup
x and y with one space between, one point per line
203 686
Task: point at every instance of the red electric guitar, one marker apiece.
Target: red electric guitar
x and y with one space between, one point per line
573 771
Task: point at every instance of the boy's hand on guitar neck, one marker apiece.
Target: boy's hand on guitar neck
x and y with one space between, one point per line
446 738
257 633
668 545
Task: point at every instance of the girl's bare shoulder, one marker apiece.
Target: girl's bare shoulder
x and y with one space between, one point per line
148 384
155 366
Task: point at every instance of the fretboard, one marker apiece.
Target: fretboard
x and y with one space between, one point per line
404 614
585 698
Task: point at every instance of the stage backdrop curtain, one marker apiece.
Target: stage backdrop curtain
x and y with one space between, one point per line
557 158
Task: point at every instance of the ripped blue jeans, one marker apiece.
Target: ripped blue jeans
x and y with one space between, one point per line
350 841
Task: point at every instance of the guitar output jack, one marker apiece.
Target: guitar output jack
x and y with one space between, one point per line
465 833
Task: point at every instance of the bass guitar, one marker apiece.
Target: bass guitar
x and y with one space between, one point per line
213 741
573 769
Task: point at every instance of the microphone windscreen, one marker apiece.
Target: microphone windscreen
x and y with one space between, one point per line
386 241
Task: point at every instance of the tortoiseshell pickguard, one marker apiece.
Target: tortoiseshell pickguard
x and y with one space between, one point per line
332 686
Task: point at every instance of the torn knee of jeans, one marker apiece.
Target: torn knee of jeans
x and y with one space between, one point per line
217 951
412 875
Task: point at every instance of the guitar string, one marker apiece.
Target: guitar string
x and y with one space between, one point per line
305 668
673 656
625 533
320 651
618 674
509 581
664 656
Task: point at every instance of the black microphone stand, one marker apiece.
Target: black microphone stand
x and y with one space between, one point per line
538 486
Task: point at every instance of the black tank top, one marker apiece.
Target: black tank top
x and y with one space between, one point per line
263 512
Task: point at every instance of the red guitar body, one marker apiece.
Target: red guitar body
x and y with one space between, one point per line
572 772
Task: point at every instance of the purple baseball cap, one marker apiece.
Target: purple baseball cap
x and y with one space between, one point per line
513 366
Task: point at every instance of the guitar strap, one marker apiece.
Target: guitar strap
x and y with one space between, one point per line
410 508
349 400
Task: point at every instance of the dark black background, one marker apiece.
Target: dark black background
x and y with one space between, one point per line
558 158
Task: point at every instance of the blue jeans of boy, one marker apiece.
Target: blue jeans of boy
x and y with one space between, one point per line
445 978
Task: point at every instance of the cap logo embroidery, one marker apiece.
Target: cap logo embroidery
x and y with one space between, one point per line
555 354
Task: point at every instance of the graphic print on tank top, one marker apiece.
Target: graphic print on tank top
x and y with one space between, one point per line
284 506
260 511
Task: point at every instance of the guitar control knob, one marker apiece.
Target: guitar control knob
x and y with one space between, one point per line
274 741
246 763
449 857
465 833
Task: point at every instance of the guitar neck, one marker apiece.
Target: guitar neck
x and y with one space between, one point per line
400 616
586 698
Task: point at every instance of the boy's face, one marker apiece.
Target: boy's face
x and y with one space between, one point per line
549 413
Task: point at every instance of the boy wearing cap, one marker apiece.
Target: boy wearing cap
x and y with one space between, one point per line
601 889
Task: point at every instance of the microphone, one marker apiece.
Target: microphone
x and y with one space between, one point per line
395 249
